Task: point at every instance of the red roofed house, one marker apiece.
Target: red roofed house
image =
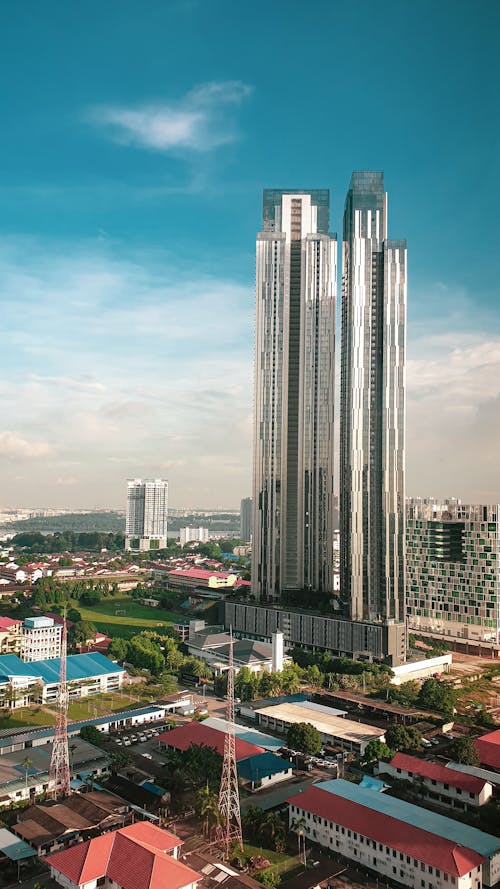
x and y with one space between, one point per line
10 635
182 737
488 750
394 849
438 783
140 856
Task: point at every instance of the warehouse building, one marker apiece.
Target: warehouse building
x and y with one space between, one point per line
389 845
461 835
334 729
438 783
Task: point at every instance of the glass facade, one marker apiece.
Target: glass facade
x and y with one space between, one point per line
292 544
372 424
453 569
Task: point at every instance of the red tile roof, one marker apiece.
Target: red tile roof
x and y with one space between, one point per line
444 854
183 736
6 623
436 772
488 749
198 573
133 857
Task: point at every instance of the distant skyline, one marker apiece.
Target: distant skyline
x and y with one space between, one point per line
137 140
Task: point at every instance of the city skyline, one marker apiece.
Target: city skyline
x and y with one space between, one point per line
130 189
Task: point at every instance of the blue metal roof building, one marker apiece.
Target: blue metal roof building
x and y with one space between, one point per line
78 666
11 665
263 769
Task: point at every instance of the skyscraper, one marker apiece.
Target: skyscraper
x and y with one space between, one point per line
372 426
293 396
146 523
246 512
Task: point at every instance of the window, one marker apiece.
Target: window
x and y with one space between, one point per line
430 870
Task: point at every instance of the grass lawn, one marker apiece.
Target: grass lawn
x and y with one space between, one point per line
112 702
27 717
281 862
132 617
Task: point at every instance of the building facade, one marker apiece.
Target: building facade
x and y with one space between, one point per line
193 535
40 639
453 570
147 513
439 784
293 395
246 519
372 424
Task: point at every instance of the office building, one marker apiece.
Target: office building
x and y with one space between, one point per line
453 571
246 519
293 396
372 424
40 639
193 535
147 509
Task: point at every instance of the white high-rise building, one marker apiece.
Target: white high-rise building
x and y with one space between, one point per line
372 427
293 397
40 639
147 512
193 535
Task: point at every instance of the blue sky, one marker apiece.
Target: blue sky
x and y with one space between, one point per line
136 140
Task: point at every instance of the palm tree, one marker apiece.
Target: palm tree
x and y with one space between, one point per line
208 803
298 825
72 748
26 765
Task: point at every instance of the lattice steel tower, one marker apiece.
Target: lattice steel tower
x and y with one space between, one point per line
59 774
229 830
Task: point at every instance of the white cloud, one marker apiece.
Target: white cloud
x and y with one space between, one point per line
202 120
14 447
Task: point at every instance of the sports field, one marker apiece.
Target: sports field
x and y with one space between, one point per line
125 617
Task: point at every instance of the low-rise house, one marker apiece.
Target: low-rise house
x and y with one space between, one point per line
438 783
488 750
54 825
263 769
141 856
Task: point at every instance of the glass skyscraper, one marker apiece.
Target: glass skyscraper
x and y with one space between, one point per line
294 395
372 425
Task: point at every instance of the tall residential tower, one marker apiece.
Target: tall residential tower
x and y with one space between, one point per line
372 425
146 524
293 396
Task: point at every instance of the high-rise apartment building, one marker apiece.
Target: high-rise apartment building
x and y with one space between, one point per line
372 425
147 510
193 535
453 570
293 395
40 639
246 515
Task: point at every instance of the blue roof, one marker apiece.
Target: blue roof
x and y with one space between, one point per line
463 834
78 666
252 735
13 847
373 783
153 788
11 665
253 768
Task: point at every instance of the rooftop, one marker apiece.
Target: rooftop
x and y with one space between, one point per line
332 725
488 749
389 830
182 737
483 843
132 857
436 772
252 735
78 666
253 768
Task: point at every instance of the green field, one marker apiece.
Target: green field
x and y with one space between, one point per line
135 617
25 717
281 862
112 702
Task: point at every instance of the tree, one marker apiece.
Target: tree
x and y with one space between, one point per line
435 694
118 649
304 737
464 750
376 749
90 734
397 737
81 632
90 597
26 766
208 809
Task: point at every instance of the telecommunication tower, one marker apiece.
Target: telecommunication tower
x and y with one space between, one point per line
229 830
59 775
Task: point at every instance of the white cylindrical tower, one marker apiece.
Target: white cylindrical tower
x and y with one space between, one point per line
277 642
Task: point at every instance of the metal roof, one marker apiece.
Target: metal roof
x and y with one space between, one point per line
78 666
483 843
11 665
252 735
253 768
13 847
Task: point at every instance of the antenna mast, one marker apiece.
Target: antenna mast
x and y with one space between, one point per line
229 830
59 774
